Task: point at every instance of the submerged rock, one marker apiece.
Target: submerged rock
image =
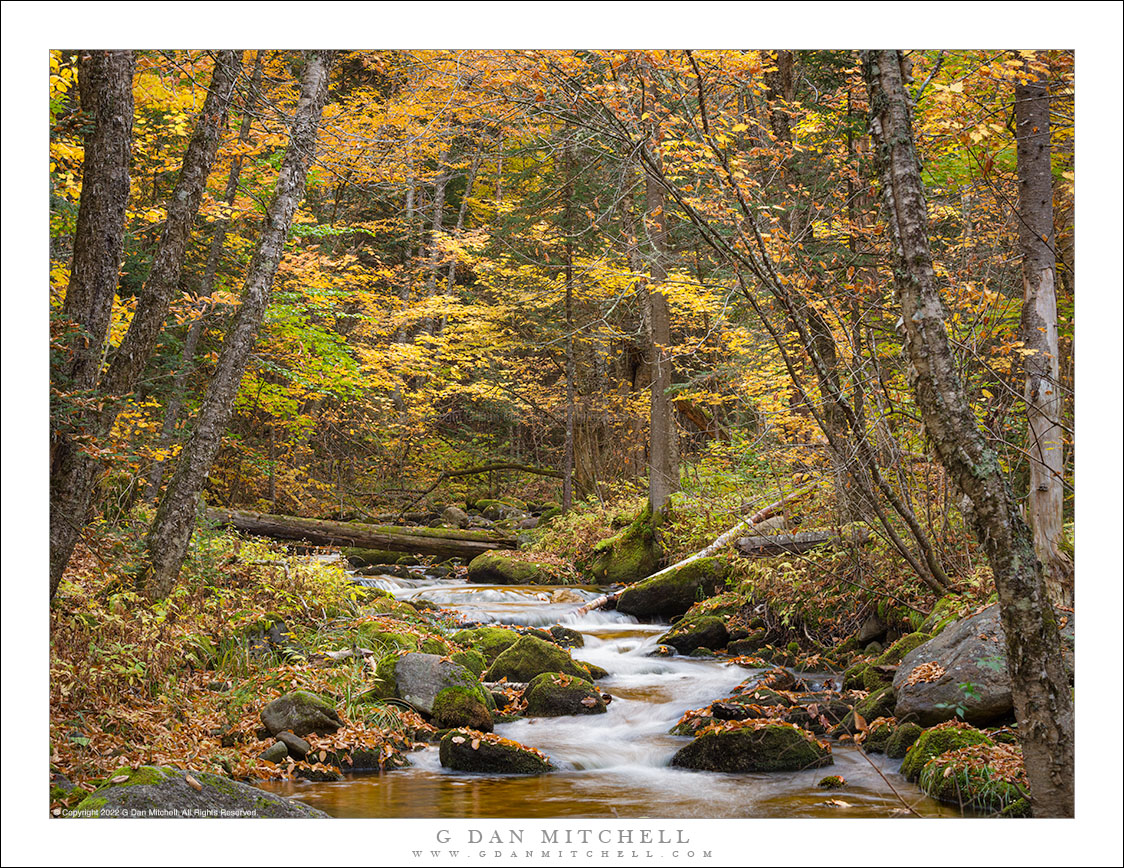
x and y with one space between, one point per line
466 750
754 746
301 713
155 792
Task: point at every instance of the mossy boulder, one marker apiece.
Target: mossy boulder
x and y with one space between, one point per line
472 660
902 739
877 704
946 610
530 656
566 637
156 792
555 694
876 678
687 636
754 746
505 567
630 555
980 777
360 557
878 735
938 740
301 712
461 707
467 750
489 641
674 592
420 678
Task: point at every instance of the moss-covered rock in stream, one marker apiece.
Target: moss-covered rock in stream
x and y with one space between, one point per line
689 635
504 567
301 712
674 592
980 777
877 704
555 694
630 555
754 746
878 734
154 792
420 678
940 739
902 739
466 750
531 656
472 660
566 637
360 557
489 641
461 707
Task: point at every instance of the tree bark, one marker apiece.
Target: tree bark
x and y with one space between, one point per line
77 474
210 271
105 82
1039 333
1039 685
415 540
171 531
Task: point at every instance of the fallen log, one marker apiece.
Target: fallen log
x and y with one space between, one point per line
442 542
759 546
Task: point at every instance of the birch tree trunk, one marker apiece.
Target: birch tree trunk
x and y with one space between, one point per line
1039 685
1039 333
105 83
171 531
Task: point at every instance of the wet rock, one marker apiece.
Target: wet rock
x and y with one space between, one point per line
275 753
461 707
706 632
566 637
301 712
673 593
168 793
531 656
554 694
360 557
831 782
754 747
902 739
489 641
504 567
971 651
468 751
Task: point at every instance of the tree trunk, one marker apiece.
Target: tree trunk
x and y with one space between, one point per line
171 531
76 475
1039 333
440 542
1034 657
105 81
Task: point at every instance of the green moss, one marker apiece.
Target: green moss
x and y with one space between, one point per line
754 748
902 738
896 652
964 778
360 557
512 568
472 660
531 656
462 706
831 782
947 609
674 592
489 641
468 751
853 677
936 741
689 635
553 694
874 679
630 555
878 736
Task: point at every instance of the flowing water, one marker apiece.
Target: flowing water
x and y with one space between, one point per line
613 764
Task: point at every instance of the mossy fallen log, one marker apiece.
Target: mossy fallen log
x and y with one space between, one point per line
441 542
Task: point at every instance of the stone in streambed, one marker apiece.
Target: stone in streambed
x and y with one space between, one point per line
674 592
530 656
754 746
466 750
554 694
301 713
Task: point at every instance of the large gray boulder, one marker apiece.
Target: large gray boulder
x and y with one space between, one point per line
153 792
420 677
971 652
674 592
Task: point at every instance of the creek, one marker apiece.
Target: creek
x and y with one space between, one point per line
614 764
